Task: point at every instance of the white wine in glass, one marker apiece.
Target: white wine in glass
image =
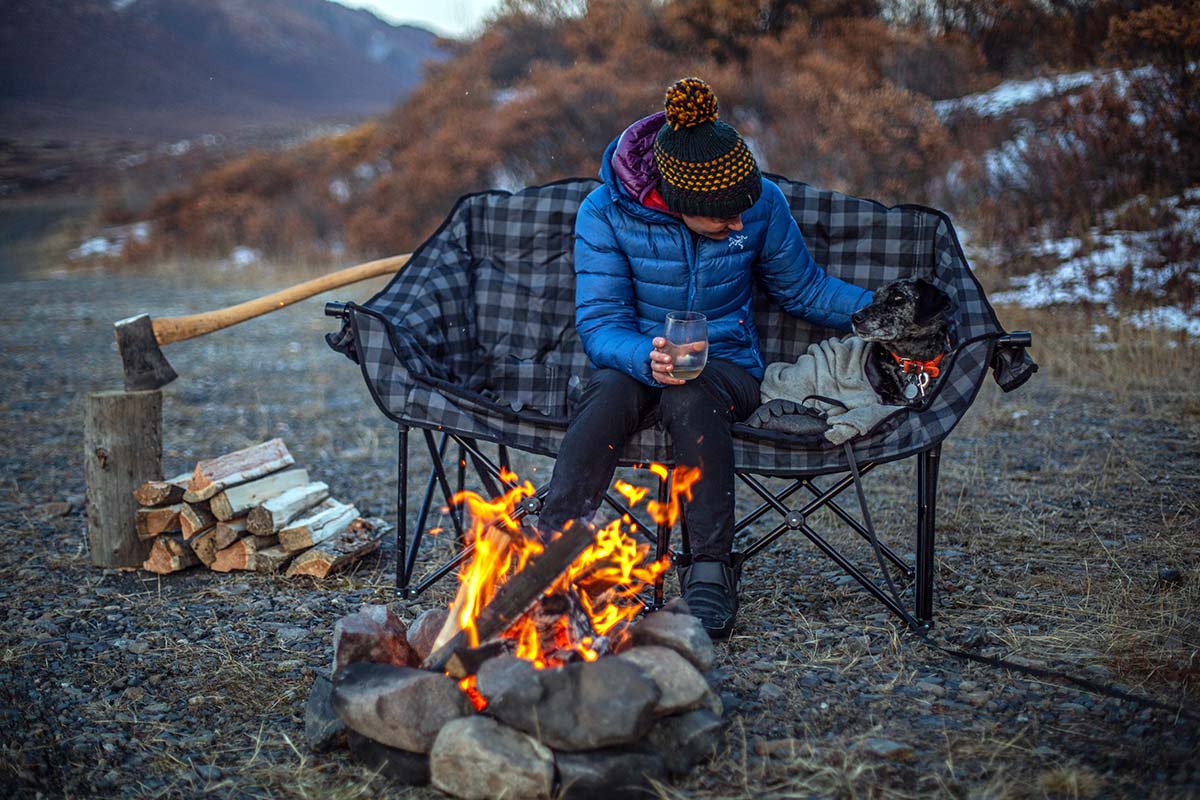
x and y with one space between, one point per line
687 343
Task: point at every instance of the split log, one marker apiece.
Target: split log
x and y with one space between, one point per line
271 559
162 493
195 518
217 474
330 518
239 555
169 554
275 514
338 552
150 522
238 500
217 538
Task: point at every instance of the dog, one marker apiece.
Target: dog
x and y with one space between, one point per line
909 323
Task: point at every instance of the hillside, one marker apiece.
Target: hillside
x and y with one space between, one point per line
157 68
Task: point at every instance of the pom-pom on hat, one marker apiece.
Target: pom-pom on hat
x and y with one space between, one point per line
706 168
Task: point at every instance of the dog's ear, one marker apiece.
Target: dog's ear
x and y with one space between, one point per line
931 301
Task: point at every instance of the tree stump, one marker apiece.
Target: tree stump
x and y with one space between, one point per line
122 449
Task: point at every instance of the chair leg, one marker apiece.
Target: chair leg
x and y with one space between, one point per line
662 541
402 574
927 475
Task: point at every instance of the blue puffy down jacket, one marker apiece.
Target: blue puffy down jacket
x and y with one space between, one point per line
633 264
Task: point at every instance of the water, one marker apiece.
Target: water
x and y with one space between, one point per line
689 358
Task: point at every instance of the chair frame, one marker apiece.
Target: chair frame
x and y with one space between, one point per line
488 471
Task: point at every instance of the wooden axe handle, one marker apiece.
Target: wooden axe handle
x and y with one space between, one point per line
176 329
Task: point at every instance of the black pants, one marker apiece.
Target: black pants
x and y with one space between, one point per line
697 415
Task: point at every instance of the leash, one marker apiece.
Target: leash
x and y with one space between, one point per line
1180 712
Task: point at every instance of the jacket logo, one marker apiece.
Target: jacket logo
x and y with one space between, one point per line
738 241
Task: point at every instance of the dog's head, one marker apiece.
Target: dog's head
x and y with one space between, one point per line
905 313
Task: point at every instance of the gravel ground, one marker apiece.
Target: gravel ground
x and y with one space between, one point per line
1067 531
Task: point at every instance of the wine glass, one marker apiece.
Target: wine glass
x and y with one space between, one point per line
687 343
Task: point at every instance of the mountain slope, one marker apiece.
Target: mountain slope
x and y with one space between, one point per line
169 66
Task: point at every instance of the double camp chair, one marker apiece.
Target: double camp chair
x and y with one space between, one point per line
474 341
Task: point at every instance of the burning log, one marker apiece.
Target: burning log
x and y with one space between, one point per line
520 592
238 500
217 474
495 540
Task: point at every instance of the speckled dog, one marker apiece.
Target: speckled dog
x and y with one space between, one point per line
908 320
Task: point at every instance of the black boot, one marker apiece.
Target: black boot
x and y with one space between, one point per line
710 590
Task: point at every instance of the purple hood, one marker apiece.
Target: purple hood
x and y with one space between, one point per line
633 160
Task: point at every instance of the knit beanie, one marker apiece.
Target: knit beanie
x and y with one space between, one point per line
706 168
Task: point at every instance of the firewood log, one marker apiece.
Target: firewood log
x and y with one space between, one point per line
239 555
162 493
217 538
338 552
271 559
275 514
195 518
330 518
150 522
169 554
217 474
238 500
499 539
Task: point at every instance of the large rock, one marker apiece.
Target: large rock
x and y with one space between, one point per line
683 687
373 634
682 633
685 740
586 706
391 762
323 730
397 706
510 685
477 758
424 630
609 774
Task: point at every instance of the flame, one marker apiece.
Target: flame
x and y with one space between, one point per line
467 684
604 580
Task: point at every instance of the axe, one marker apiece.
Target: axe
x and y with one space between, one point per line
139 338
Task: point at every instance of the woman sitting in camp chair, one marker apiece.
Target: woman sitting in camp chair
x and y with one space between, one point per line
684 221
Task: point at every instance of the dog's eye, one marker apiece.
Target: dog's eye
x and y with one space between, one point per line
897 297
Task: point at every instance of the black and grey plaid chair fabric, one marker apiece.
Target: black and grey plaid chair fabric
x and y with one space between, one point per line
476 335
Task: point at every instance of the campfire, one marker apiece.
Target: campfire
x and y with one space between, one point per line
562 689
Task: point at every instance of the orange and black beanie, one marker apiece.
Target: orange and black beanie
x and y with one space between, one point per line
706 168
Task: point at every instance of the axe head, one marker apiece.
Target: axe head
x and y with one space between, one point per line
145 365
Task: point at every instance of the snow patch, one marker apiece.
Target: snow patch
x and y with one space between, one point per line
339 190
242 256
1010 95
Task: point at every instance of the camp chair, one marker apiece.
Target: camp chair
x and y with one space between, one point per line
474 341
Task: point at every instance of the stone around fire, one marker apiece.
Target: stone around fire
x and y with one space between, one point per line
397 706
424 630
682 633
586 706
510 684
477 758
683 687
391 762
687 739
609 774
375 634
323 730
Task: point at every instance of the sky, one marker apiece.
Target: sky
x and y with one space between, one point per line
447 17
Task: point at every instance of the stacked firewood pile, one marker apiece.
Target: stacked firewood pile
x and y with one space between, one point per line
251 510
